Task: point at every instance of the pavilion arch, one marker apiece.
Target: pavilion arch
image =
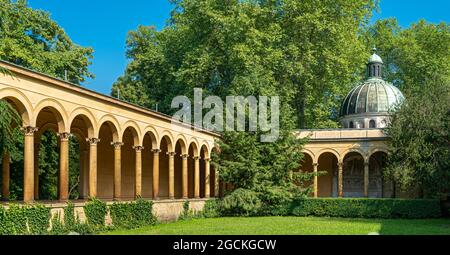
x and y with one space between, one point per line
195 147
151 131
332 151
206 150
87 117
134 129
112 122
311 154
356 150
327 163
183 143
168 138
58 111
375 150
21 102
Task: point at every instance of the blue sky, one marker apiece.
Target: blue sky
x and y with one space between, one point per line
103 25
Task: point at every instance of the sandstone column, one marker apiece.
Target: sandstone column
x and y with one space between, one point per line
316 186
185 175
171 175
36 168
64 166
366 179
197 177
6 176
156 173
207 178
117 169
340 179
93 166
138 174
28 169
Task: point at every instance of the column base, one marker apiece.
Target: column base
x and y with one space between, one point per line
117 199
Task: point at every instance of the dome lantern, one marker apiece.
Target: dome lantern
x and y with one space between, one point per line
374 66
368 105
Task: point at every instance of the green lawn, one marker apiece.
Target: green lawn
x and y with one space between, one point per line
293 226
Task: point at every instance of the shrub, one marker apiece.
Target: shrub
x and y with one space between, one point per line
24 220
95 211
276 201
366 208
212 209
133 214
241 202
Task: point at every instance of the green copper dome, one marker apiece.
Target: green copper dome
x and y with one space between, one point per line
373 95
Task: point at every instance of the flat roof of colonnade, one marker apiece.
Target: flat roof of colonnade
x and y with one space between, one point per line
342 134
14 68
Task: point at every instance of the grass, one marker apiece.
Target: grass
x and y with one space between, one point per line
293 226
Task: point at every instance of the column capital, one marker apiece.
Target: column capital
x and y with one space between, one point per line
93 141
156 151
29 130
117 145
196 158
208 159
315 164
171 154
184 156
366 164
64 136
138 148
340 164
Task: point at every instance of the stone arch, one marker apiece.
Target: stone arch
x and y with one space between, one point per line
24 106
195 146
151 131
135 131
88 118
310 153
58 111
353 172
375 150
169 139
330 150
206 150
356 150
327 163
183 143
112 122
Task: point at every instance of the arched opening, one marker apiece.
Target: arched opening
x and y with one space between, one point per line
351 125
372 124
128 159
81 128
180 149
353 175
12 161
47 154
105 160
378 187
327 183
149 144
193 152
307 167
165 147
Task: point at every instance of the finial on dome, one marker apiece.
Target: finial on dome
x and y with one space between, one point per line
374 50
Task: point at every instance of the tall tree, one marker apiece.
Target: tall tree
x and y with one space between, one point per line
420 142
30 38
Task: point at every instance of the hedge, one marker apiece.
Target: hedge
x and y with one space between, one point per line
24 220
366 208
132 214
